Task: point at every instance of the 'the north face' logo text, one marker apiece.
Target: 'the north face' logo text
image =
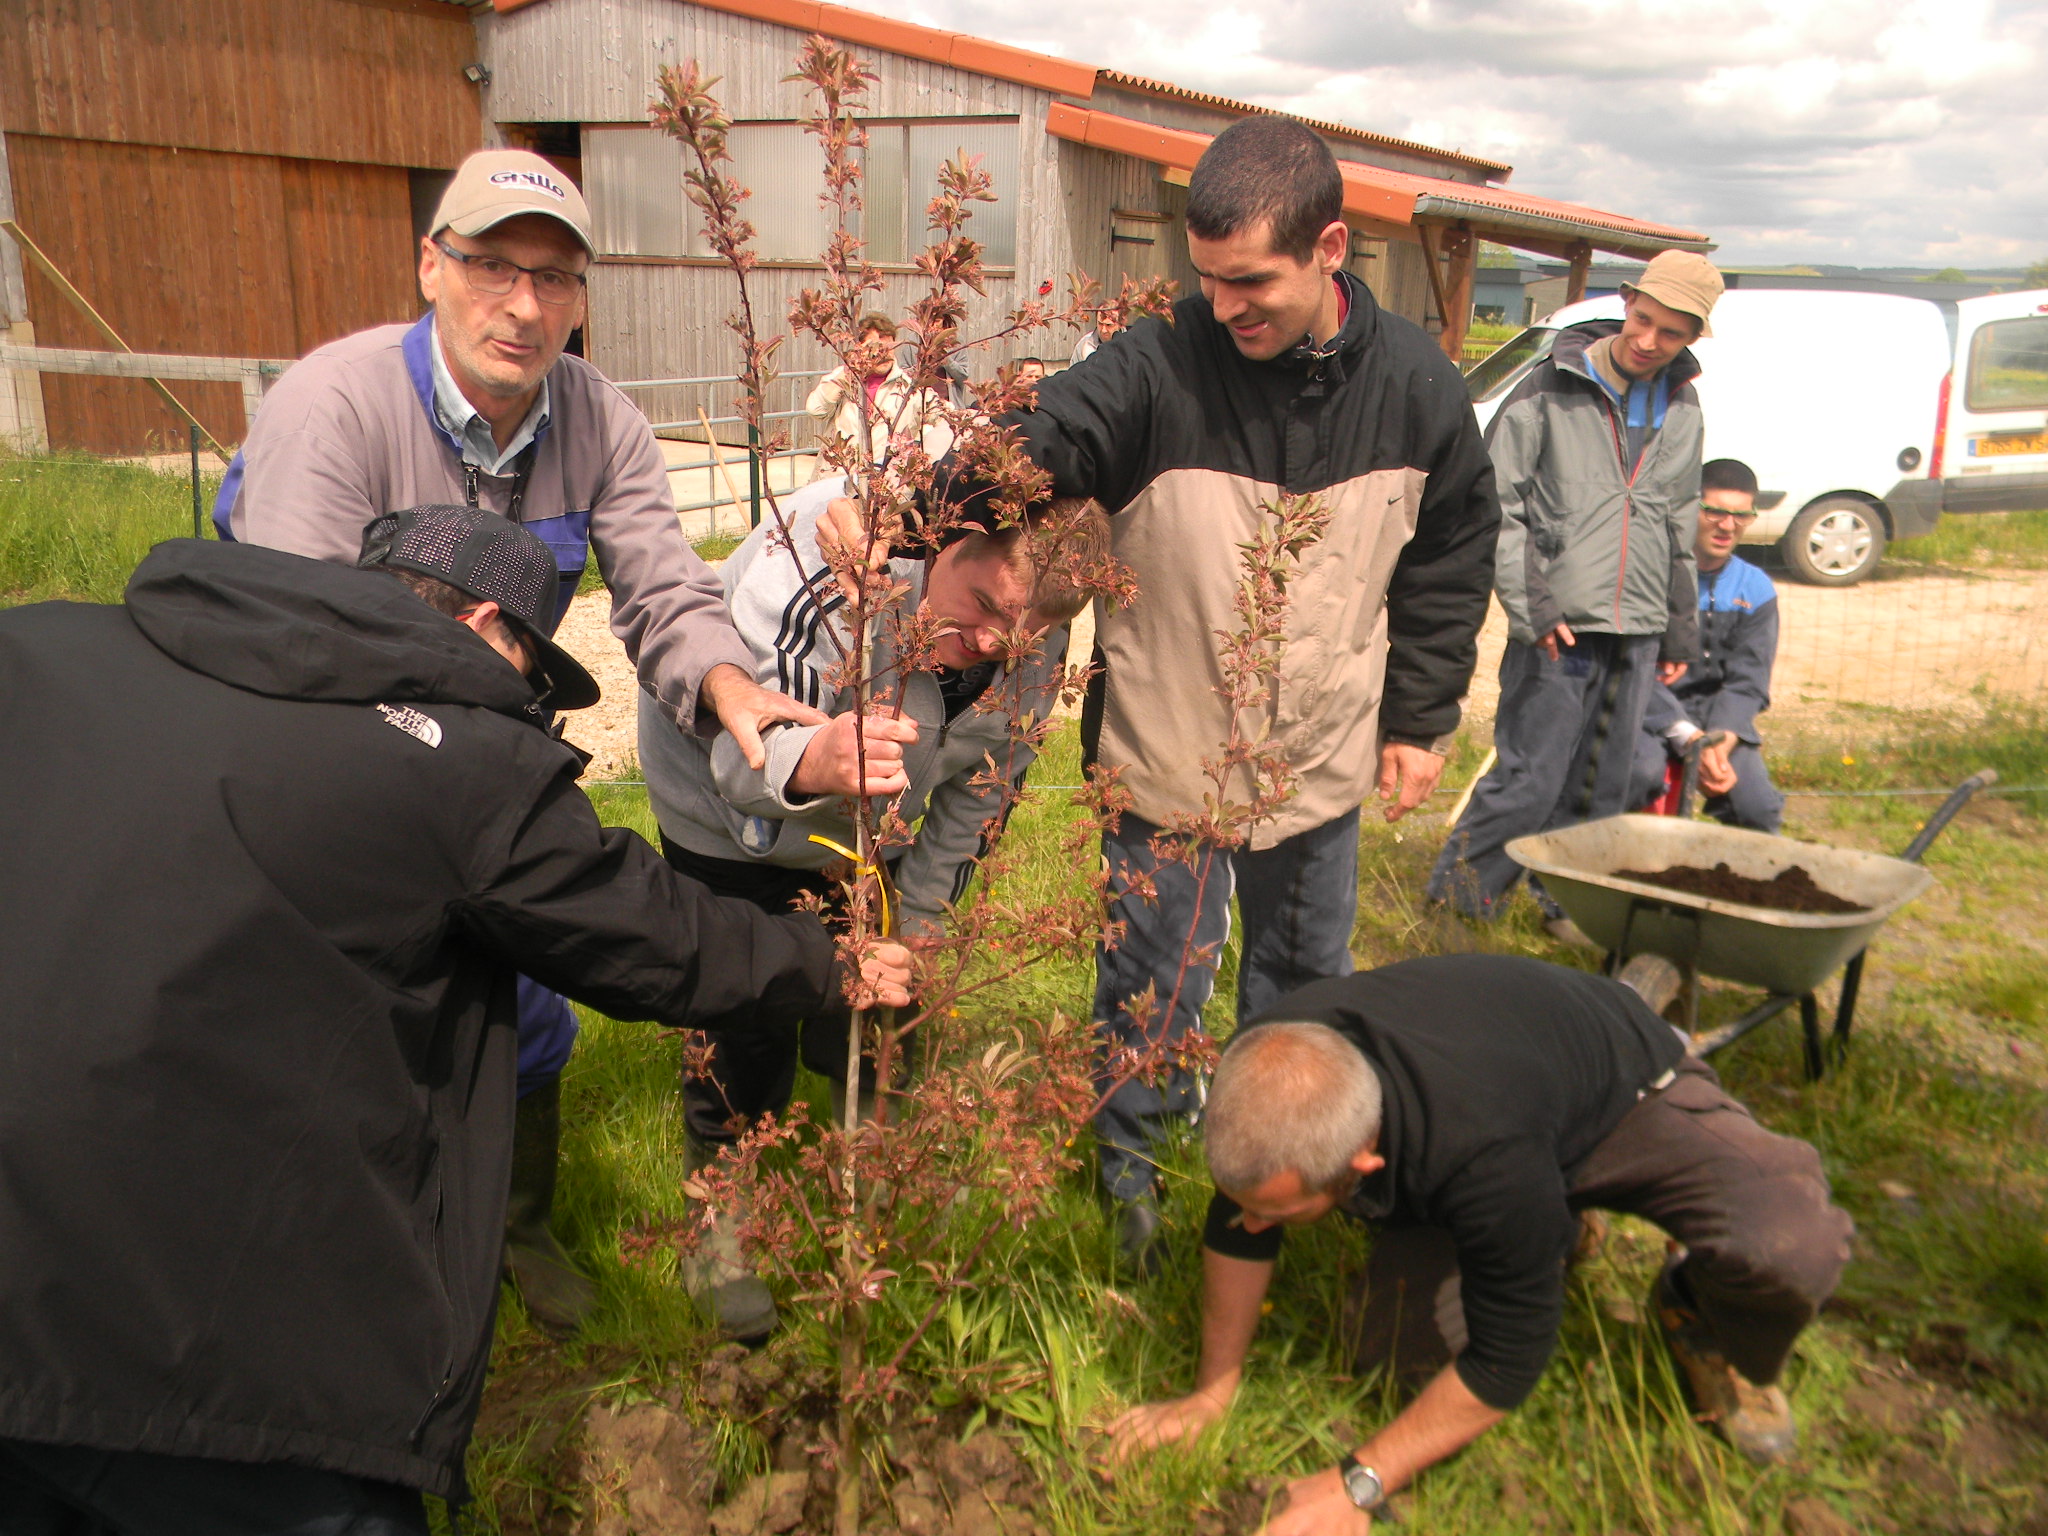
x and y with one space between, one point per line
413 722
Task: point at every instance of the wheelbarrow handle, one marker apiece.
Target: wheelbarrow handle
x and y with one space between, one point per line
1984 778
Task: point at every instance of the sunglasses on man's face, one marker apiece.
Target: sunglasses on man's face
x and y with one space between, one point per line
1723 515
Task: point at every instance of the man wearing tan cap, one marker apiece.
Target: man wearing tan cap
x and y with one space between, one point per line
1597 459
475 404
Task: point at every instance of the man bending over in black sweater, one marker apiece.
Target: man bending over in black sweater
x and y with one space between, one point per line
1472 1106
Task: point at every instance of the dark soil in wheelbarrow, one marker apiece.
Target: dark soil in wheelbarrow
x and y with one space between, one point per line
1790 890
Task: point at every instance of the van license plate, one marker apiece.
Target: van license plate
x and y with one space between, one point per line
2006 444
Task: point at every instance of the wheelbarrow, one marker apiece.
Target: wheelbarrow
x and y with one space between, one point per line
1788 954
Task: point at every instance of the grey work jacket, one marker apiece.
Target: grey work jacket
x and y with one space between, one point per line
1584 539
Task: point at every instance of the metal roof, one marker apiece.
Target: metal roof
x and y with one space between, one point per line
1116 77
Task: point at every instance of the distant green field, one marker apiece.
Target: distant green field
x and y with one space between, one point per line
2009 539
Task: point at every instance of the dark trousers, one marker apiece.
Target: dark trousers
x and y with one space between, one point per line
1565 741
1764 1245
754 1056
70 1490
1298 900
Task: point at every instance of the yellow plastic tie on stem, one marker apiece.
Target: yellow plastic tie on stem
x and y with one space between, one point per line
863 867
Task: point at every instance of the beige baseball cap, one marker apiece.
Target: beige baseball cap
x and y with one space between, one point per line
1682 280
494 185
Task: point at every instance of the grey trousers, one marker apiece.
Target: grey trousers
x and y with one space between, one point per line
1565 739
1764 1244
1298 899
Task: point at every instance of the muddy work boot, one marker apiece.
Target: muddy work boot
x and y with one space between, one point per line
717 1276
558 1296
1756 1420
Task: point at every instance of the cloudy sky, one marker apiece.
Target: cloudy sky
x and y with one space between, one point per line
1866 132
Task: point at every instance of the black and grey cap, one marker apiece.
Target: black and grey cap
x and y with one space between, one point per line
493 560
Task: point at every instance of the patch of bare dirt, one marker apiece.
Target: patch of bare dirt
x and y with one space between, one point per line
584 1467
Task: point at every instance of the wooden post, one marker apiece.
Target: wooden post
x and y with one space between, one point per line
1463 252
1436 278
1575 283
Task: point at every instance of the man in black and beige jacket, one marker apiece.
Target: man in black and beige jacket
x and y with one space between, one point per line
1282 375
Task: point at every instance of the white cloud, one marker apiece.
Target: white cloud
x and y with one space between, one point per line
1796 130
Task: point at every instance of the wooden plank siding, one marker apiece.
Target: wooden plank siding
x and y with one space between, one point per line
228 178
201 252
373 81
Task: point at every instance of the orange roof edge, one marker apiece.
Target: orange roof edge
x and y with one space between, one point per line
1180 149
1000 60
1389 196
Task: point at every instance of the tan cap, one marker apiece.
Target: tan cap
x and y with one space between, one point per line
494 185
1682 280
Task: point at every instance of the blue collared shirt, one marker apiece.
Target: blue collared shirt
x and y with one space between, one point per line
462 419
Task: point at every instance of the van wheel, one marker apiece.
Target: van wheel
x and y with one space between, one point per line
1836 542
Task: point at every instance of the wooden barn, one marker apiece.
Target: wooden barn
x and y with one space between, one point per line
1091 166
233 178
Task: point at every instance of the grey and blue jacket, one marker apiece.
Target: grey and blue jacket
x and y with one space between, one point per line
1591 534
1730 684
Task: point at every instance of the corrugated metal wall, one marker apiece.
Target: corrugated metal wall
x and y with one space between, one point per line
595 61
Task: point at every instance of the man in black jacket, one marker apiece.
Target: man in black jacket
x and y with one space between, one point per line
277 833
1283 375
1473 1105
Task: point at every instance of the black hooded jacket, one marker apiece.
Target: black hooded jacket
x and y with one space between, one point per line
272 838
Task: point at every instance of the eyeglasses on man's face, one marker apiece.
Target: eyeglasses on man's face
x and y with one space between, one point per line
1724 515
495 277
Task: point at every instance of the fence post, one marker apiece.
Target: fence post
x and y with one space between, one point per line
754 476
198 517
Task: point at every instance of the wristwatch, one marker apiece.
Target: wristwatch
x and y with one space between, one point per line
1362 1483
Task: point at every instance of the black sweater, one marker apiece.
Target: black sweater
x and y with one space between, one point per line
1499 1075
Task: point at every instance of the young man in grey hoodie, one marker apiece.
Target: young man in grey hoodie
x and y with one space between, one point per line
1596 455
769 833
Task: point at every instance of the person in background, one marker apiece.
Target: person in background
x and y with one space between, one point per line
753 833
897 411
477 405
1471 1107
1107 323
1730 685
1597 457
1027 372
256 1118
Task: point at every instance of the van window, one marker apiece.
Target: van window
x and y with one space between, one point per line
1504 367
2009 365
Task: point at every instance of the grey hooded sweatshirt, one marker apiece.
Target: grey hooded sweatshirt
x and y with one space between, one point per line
1586 538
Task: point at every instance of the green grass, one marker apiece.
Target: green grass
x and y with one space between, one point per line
2011 540
1941 1096
73 526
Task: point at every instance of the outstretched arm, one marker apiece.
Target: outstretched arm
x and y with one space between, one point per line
1233 1290
1446 1418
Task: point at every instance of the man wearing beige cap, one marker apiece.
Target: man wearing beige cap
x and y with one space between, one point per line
475 404
1597 459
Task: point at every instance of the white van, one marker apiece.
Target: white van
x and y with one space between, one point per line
1854 410
1992 455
